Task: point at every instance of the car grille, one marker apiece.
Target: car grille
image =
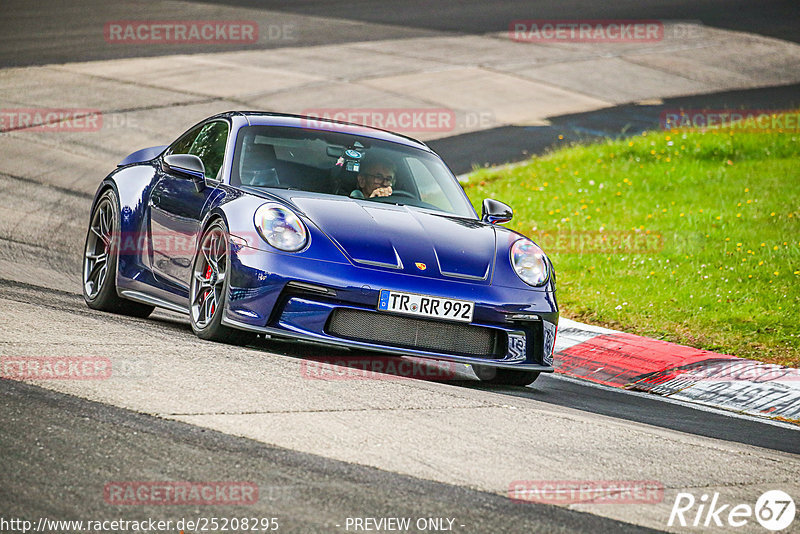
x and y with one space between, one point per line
424 334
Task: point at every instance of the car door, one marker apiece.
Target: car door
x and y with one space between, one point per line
176 207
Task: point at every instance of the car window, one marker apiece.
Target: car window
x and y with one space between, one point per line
429 189
182 145
206 141
346 164
209 146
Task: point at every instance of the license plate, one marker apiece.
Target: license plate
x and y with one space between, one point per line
425 306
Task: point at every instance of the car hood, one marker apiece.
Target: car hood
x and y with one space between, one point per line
403 238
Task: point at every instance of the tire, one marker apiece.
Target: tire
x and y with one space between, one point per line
100 260
505 377
209 286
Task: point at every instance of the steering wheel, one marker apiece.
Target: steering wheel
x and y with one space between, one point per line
401 193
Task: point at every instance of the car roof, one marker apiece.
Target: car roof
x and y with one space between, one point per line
265 118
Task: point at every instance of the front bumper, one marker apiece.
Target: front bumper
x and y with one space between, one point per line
290 296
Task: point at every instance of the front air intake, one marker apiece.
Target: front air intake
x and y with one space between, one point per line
423 334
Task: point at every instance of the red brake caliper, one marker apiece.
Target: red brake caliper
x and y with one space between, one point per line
208 277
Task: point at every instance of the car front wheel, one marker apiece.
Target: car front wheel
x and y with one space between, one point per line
209 286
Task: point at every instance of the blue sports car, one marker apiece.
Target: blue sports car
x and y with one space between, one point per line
262 223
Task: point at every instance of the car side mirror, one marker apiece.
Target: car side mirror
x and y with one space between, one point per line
187 166
495 212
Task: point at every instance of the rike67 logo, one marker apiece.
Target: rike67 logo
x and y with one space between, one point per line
774 510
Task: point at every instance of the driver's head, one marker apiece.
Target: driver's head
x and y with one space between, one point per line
376 178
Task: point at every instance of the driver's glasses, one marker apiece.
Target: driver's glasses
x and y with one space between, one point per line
382 178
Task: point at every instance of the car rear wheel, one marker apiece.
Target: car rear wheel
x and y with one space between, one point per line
100 261
209 287
505 377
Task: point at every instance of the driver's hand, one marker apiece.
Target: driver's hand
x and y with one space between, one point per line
382 192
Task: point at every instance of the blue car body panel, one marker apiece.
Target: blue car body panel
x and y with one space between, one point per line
356 248
140 156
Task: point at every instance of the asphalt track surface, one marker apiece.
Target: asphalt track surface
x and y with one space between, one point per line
306 493
774 18
37 33
59 449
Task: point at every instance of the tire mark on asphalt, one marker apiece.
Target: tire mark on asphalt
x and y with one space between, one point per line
60 189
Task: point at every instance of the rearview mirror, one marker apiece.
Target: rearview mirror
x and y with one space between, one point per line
495 212
187 166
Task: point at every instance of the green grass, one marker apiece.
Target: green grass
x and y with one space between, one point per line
703 235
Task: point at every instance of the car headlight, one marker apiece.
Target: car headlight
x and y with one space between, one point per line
280 227
529 262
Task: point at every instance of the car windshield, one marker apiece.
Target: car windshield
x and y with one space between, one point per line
346 164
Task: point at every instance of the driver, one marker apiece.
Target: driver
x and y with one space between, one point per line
376 179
